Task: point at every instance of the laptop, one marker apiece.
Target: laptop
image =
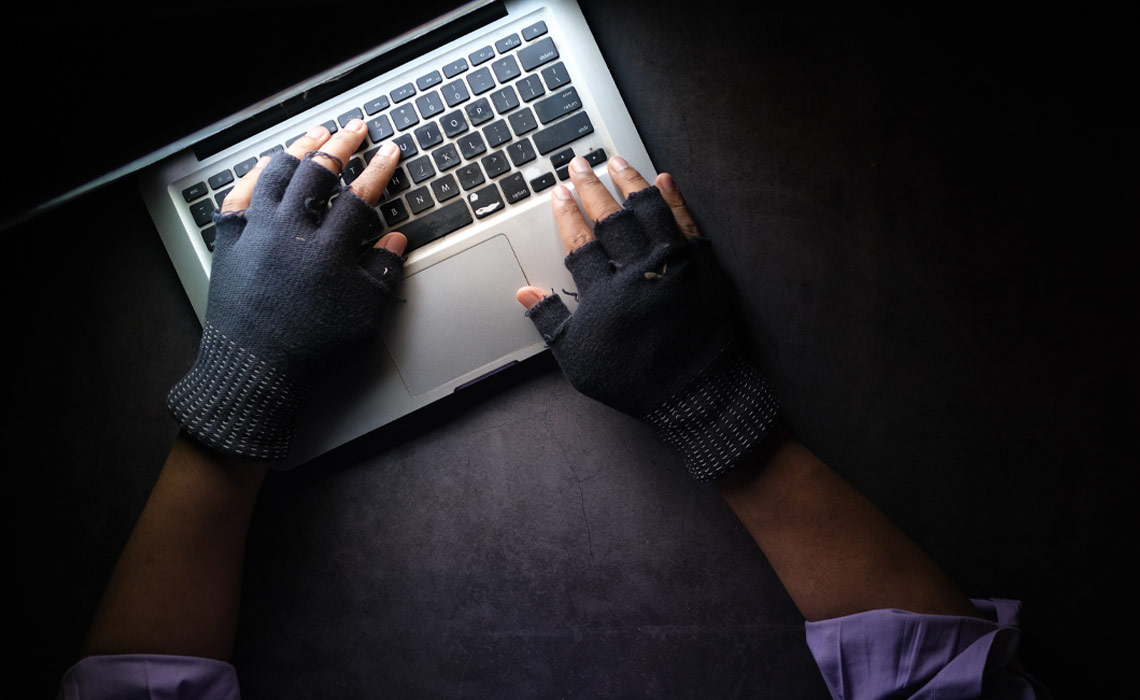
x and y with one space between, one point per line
488 103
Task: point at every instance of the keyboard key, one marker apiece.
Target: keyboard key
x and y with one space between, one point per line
220 179
479 112
455 93
521 152
555 76
380 128
508 43
407 146
445 188
420 169
431 79
563 133
198 189
446 157
244 167
538 54
419 200
470 176
430 105
221 196
534 31
399 182
345 118
485 201
530 88
428 135
405 117
557 105
481 81
595 157
514 188
331 126
208 235
471 145
542 182
497 133
402 93
375 105
505 100
394 212
442 221
496 164
202 211
453 124
481 56
562 157
522 122
455 68
352 170
506 69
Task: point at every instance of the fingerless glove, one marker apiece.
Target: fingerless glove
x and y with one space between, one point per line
652 337
291 286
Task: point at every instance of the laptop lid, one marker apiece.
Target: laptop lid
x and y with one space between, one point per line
102 93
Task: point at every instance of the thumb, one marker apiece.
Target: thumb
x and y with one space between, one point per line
529 296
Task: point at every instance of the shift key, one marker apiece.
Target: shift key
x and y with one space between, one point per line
562 133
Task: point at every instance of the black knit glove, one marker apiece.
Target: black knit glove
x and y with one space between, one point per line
652 337
291 287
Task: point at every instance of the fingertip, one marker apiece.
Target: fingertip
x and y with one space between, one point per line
530 296
665 183
394 242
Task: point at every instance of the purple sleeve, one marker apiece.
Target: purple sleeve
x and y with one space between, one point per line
147 676
895 654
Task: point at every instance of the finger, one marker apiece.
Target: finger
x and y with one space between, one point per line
313 139
238 198
573 228
340 146
625 177
371 183
596 199
393 243
529 296
676 202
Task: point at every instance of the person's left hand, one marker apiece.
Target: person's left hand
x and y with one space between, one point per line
292 285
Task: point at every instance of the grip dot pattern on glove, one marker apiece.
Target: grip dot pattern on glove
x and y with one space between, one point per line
234 402
718 417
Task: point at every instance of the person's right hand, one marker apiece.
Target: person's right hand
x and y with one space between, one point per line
653 332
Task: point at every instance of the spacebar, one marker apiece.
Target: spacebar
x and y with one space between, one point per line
440 222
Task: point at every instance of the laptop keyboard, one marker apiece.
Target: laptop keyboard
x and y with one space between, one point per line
465 129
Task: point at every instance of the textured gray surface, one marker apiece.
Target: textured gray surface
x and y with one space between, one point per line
925 219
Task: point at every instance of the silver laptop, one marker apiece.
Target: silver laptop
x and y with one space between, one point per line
488 116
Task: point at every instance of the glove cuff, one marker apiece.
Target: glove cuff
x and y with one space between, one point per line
234 402
718 417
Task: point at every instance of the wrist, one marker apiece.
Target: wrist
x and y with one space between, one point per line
720 417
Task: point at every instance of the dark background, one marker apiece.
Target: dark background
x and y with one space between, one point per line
929 220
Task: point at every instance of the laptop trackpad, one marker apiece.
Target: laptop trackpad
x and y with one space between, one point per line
460 315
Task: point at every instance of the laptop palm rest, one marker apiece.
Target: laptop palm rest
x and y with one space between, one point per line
459 315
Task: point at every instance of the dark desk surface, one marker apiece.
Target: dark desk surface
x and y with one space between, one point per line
925 220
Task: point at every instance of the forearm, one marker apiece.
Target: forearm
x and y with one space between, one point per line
833 550
176 587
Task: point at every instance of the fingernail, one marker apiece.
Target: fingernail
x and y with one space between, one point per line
665 183
562 193
580 165
528 297
390 150
316 132
355 125
394 244
618 163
